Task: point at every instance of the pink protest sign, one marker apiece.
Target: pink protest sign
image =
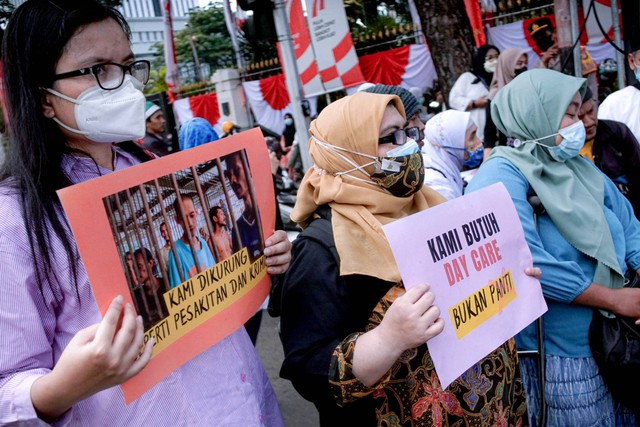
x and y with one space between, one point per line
473 253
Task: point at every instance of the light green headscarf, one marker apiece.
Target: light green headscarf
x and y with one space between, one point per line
530 107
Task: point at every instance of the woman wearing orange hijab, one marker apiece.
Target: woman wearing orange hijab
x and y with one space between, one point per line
354 340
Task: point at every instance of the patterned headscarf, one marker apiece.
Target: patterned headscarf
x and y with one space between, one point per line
358 209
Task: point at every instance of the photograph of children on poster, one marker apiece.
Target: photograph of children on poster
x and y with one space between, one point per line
182 239
472 252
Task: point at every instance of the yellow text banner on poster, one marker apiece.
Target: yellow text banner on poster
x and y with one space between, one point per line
204 296
486 302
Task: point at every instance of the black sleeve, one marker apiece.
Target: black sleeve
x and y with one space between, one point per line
319 310
490 130
279 224
631 159
314 305
275 291
619 154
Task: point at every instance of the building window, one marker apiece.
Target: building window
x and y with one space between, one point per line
157 10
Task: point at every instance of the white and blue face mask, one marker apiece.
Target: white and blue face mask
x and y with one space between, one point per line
474 157
573 138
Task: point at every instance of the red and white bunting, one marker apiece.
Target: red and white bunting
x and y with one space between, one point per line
406 66
269 101
205 106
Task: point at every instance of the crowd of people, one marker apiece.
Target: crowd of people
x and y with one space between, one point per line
354 339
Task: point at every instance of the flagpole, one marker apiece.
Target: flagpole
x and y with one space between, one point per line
172 78
292 79
230 22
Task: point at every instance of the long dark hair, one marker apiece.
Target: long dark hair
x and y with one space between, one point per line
33 42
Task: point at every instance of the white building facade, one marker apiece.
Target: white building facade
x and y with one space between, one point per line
145 19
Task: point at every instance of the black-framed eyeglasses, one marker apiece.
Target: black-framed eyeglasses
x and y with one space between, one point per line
110 75
400 136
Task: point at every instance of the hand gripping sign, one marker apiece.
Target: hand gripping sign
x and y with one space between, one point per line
473 253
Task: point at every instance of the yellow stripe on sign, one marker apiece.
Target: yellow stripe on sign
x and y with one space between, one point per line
480 306
204 296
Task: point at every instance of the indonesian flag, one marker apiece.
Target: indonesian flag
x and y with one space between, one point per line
205 106
406 66
475 19
517 35
269 101
170 50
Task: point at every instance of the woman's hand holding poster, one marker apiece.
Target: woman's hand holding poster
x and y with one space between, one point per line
181 238
472 252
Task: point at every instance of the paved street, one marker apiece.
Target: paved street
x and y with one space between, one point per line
296 411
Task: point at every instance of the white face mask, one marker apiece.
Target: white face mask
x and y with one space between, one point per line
409 147
573 137
491 65
108 115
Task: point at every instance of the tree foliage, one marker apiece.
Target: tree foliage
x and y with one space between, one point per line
211 41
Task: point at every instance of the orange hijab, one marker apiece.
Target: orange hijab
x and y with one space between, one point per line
358 209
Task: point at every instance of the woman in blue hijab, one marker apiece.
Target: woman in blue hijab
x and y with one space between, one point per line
584 241
196 131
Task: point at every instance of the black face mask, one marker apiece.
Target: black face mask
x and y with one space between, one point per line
519 71
406 180
544 43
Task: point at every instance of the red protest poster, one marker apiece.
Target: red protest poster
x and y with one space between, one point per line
182 238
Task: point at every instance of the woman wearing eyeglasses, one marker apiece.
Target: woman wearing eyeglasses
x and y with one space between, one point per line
451 144
354 340
73 89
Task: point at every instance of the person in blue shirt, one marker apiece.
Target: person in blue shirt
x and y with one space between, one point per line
585 241
188 244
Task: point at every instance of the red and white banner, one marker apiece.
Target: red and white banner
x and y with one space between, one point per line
305 56
169 49
475 19
335 54
205 106
406 66
603 9
517 35
269 101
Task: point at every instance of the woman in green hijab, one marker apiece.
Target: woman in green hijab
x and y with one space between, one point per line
584 241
